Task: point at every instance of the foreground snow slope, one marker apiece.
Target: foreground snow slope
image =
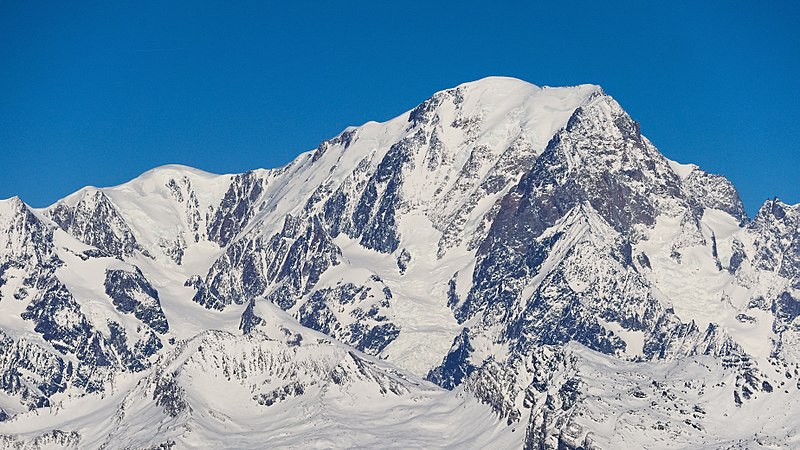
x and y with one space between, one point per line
219 390
526 250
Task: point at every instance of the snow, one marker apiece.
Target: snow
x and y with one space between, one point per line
85 281
724 228
223 412
682 170
634 340
11 321
419 296
152 210
621 420
478 133
693 284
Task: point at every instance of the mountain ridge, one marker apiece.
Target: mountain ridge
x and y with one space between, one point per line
503 240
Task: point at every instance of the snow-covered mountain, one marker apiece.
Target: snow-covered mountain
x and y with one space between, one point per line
503 266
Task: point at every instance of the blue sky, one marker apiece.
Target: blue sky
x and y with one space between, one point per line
95 93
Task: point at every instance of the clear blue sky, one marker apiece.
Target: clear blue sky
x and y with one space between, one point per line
94 94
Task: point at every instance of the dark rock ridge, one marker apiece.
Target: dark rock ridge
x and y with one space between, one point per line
95 221
132 293
72 352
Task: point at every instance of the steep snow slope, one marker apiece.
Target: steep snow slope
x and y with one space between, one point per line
525 248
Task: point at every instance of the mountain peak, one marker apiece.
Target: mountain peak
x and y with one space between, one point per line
474 238
505 83
498 82
175 170
498 91
777 209
11 202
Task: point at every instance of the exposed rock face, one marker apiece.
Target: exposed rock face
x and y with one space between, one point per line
95 221
237 208
69 349
526 249
132 293
368 309
715 191
291 260
776 238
